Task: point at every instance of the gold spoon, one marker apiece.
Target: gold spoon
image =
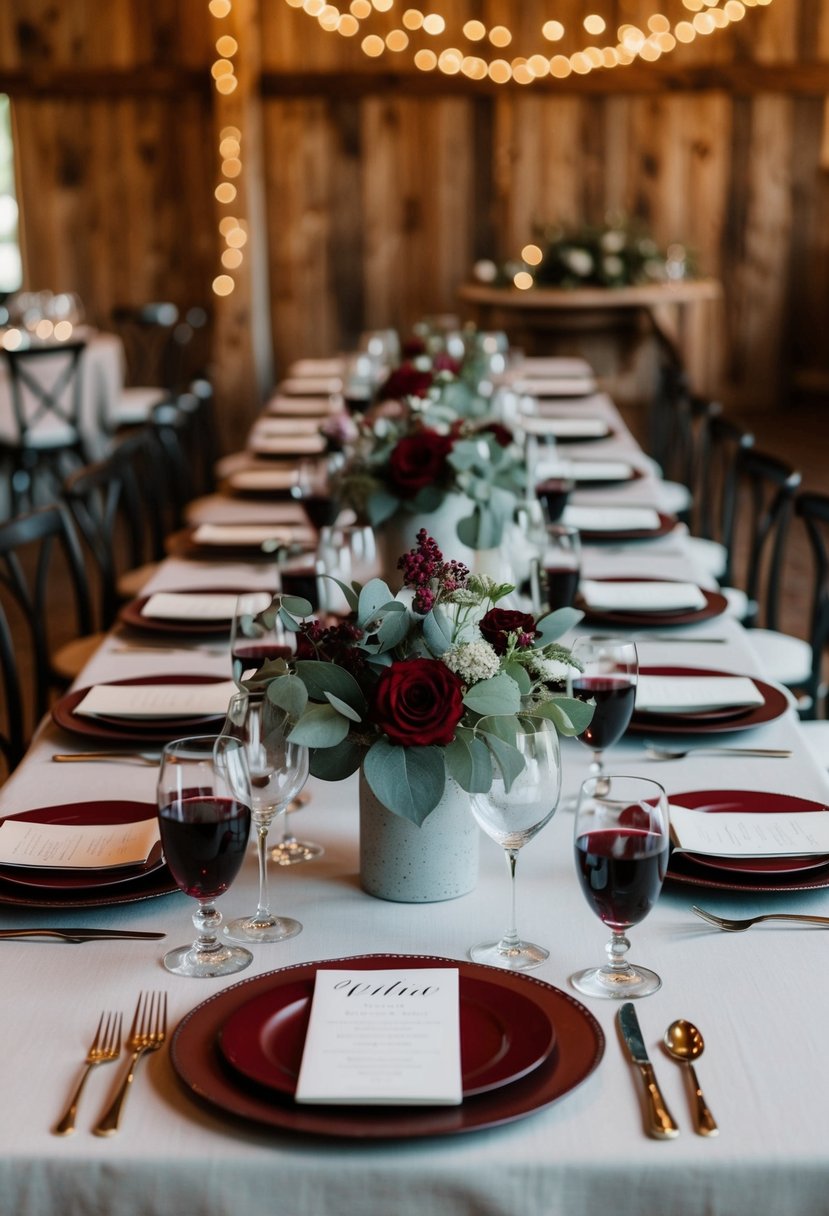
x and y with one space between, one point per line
684 1043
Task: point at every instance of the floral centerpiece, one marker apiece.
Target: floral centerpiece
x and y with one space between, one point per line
433 683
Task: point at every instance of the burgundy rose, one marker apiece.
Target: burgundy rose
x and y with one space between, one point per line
445 363
501 434
499 623
418 703
413 347
418 460
405 381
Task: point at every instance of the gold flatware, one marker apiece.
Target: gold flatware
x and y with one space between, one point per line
106 1047
684 1043
659 1121
83 935
119 757
147 1033
667 753
738 926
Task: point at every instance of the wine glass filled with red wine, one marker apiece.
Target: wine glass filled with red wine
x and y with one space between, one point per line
257 636
621 848
315 488
606 673
555 572
204 821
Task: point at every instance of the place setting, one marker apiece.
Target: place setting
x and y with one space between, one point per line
618 523
144 710
646 602
196 612
703 701
251 541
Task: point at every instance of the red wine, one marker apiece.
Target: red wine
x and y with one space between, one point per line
322 510
204 840
250 656
553 495
621 873
562 583
300 582
614 697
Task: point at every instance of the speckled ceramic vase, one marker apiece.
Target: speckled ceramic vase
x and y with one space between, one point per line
417 865
399 534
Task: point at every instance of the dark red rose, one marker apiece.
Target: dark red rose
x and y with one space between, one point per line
405 381
445 363
501 434
418 703
418 460
413 347
498 623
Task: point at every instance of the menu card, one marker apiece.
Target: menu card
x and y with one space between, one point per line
612 519
644 596
695 694
182 606
383 1038
766 834
58 846
157 700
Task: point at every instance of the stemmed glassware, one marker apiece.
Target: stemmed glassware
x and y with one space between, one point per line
278 771
512 817
254 640
554 574
313 488
608 676
621 847
291 851
204 820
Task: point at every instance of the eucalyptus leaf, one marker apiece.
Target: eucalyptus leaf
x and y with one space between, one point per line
569 715
508 758
343 708
336 763
498 695
551 627
393 628
321 678
505 726
320 726
289 622
427 500
297 605
289 693
351 596
409 781
437 632
380 506
374 596
521 676
468 761
469 529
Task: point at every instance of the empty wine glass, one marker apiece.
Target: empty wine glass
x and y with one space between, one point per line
291 851
512 817
621 847
254 640
204 821
278 771
608 676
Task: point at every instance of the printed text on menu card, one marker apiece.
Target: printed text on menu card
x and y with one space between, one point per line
383 1038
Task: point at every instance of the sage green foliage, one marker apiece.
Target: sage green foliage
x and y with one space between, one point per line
329 709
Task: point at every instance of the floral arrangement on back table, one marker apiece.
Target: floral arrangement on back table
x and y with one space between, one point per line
429 436
434 682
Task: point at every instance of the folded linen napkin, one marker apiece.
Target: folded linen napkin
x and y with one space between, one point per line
565 428
269 428
253 535
612 519
190 606
262 479
641 596
586 470
304 368
310 386
557 386
283 445
695 694
306 407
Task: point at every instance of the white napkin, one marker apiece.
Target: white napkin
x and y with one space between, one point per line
268 428
157 700
558 386
254 535
585 470
641 596
262 479
310 386
191 606
612 519
554 366
310 368
565 428
695 694
307 407
282 445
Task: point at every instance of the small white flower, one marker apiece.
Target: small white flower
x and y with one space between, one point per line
553 670
579 261
485 271
473 661
613 267
613 241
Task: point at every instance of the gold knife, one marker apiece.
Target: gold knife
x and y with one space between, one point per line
660 1121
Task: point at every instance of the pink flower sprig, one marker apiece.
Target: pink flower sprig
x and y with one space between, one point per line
425 571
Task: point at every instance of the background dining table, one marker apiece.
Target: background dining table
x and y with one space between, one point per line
758 997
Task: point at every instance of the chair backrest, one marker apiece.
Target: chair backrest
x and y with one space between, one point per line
766 486
719 444
813 509
117 505
163 346
41 571
45 387
186 431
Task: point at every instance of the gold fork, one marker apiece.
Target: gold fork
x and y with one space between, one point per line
147 1033
106 1047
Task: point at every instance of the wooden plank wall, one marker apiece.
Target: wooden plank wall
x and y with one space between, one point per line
383 184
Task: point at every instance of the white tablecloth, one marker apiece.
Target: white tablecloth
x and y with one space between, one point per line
758 997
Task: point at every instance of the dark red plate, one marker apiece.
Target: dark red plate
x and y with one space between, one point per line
715 605
124 730
775 704
131 615
202 1071
667 523
748 873
84 880
504 1035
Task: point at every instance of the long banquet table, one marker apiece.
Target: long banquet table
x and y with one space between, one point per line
758 998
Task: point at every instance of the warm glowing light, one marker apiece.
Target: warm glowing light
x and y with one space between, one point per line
223 285
222 67
236 238
434 24
231 167
219 8
553 31
230 133
397 40
227 46
373 45
475 30
226 84
229 148
63 330
413 18
12 339
523 280
360 9
594 24
225 192
44 329
449 61
500 71
232 259
427 61
532 255
227 223
348 26
499 35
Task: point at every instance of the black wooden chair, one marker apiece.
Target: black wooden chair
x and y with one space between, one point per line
40 558
42 439
813 510
718 443
163 344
